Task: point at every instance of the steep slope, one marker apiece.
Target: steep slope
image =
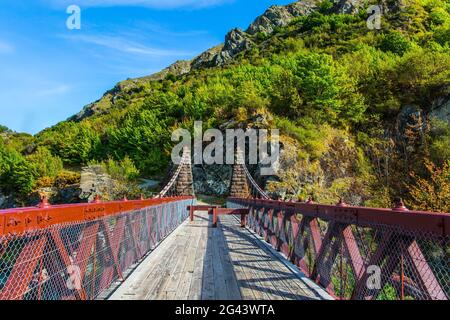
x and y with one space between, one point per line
236 42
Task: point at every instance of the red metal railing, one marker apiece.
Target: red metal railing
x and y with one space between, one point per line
358 252
78 251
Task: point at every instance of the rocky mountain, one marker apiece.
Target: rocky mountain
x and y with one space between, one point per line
236 42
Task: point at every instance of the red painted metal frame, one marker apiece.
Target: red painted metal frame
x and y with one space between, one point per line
49 241
215 211
19 220
402 228
222 211
208 208
409 220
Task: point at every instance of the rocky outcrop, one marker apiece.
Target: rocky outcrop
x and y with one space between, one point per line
280 16
206 59
440 109
237 41
6 201
177 69
94 181
410 125
347 6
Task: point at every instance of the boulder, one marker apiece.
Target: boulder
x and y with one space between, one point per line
95 181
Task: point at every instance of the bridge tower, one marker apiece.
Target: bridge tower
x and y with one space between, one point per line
185 183
239 185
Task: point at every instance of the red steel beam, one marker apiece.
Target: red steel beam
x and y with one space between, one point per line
340 218
22 273
20 220
409 220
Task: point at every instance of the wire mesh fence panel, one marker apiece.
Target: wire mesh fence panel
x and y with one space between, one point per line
359 253
82 259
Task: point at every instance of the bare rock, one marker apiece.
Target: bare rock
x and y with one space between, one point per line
441 109
280 16
95 181
212 179
178 68
206 59
347 6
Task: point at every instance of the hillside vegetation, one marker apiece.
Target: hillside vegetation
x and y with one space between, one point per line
363 113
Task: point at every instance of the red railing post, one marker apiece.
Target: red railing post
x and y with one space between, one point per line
191 213
243 220
214 225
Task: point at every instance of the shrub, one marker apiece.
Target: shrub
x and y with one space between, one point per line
17 175
44 182
67 178
45 164
125 170
394 42
431 193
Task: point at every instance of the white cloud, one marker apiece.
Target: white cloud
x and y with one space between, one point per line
161 4
57 90
126 46
6 47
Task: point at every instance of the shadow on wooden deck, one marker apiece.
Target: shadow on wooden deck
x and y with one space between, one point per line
198 262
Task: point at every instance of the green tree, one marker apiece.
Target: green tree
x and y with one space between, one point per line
17 175
45 164
394 42
142 136
74 143
123 170
4 129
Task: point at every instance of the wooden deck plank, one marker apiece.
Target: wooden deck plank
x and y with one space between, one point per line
200 262
249 258
195 291
173 283
284 283
230 277
137 286
208 271
220 284
185 283
272 272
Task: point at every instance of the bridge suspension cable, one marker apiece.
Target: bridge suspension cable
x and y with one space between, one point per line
257 191
185 160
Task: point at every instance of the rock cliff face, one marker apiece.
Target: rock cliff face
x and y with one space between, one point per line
178 68
237 41
95 181
347 6
280 16
206 58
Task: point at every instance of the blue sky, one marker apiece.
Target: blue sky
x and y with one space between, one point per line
48 72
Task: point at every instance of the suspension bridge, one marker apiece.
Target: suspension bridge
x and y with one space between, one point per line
173 247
